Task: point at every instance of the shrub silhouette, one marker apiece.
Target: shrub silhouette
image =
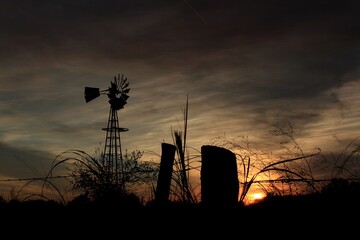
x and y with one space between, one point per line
102 185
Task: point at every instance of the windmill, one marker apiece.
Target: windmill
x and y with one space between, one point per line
117 93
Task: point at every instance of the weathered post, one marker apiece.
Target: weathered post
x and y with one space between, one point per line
164 179
219 177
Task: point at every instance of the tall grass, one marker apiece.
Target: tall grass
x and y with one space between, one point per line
182 188
295 174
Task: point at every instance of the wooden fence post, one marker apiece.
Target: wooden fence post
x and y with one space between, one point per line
219 177
164 179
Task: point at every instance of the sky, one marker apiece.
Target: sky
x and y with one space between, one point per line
244 66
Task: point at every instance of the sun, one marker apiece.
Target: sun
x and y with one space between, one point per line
255 197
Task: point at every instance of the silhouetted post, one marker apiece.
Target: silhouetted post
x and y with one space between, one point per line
219 177
165 173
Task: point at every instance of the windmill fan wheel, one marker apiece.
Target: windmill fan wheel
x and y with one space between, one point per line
118 92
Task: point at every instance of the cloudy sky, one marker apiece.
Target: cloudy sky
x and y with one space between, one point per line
244 65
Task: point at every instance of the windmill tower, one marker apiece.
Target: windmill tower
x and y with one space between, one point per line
111 158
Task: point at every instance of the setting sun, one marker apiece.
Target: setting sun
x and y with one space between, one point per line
254 197
257 196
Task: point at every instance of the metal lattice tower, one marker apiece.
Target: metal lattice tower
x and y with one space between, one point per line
112 159
112 155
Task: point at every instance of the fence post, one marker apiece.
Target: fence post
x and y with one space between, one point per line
164 179
219 177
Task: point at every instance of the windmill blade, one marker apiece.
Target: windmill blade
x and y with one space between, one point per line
125 97
126 90
123 80
91 93
125 85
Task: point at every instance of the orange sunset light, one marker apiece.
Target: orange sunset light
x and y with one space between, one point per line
254 197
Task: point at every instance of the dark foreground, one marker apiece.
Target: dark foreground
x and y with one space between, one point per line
278 218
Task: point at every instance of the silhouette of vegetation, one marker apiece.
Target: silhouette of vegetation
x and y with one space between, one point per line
98 183
294 173
254 165
182 189
346 164
337 194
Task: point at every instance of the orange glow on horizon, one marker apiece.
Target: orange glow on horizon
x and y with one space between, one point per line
258 196
254 197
